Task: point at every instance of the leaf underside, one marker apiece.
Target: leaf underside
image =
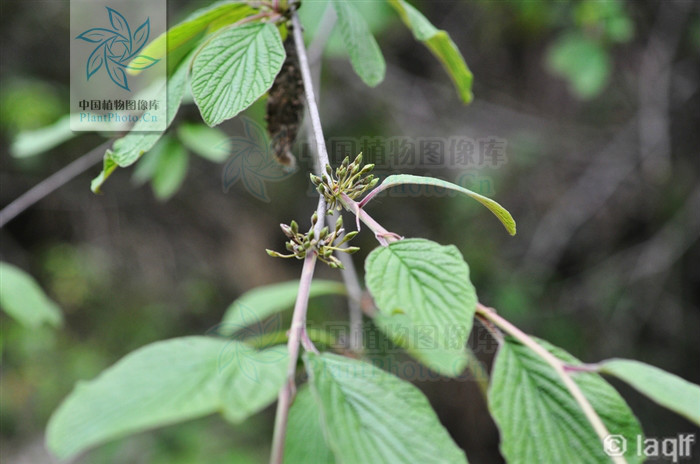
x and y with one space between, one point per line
539 419
371 416
165 383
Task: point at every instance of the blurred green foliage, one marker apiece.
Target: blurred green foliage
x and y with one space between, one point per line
582 54
28 103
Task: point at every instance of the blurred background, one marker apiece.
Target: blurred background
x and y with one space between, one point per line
594 108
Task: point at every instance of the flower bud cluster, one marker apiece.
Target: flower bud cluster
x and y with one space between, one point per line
327 242
352 179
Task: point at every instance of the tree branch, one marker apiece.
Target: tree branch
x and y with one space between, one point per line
297 333
52 183
312 106
349 273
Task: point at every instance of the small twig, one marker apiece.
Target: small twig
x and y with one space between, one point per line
490 328
52 183
383 236
369 196
312 106
348 272
558 366
581 368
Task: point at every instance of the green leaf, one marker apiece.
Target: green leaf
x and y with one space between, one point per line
207 20
501 213
583 62
207 142
234 69
365 56
34 142
371 416
171 169
257 304
128 149
538 418
23 299
146 166
378 15
425 300
440 44
305 440
165 383
668 390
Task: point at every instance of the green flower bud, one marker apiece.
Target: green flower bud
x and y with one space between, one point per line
286 230
349 236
